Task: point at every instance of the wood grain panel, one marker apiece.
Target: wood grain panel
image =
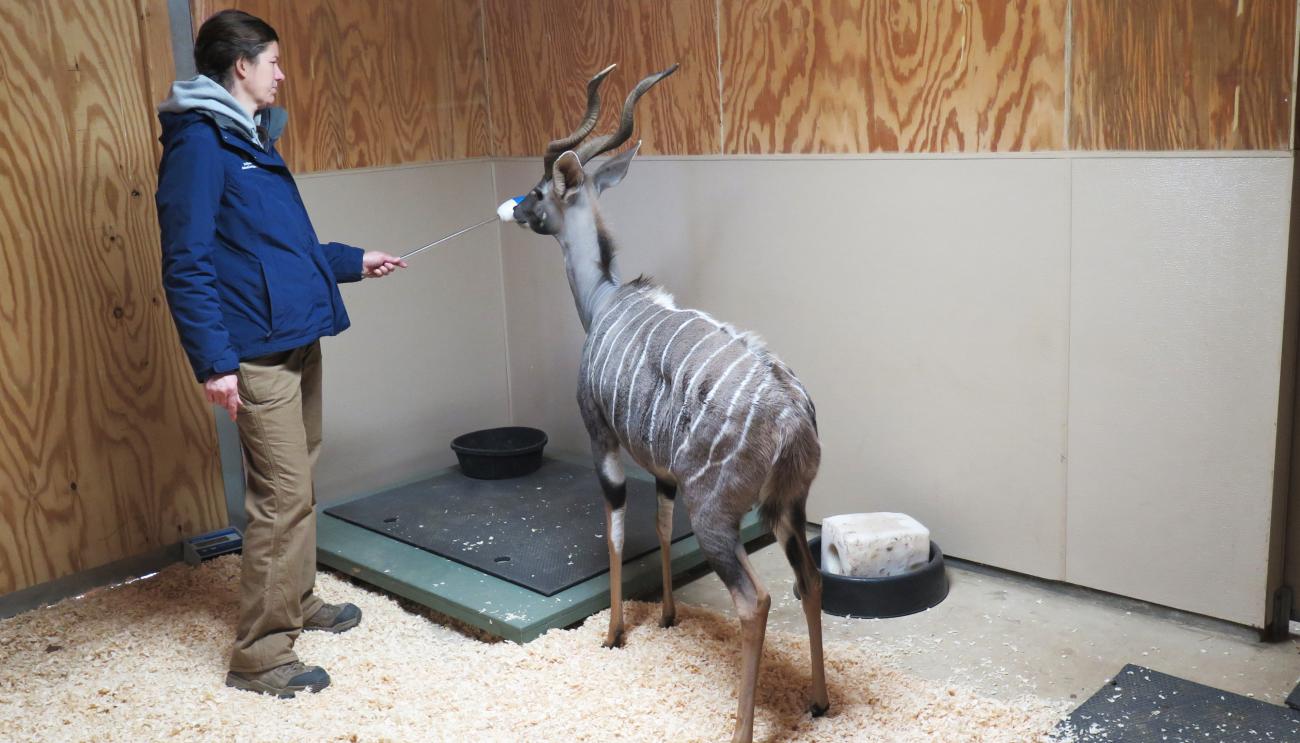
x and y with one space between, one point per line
542 53
106 446
1182 75
159 67
375 83
804 76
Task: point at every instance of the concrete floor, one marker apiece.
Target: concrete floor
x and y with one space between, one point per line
1009 635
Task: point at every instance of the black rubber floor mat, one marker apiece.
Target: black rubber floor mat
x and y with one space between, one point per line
1144 706
544 531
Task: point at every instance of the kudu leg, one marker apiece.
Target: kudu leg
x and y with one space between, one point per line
614 484
664 524
727 556
752 604
809 581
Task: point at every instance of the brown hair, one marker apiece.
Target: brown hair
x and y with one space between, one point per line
226 38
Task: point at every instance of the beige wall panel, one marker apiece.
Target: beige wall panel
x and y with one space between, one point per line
106 449
922 301
425 358
376 83
905 76
1178 272
542 52
1188 75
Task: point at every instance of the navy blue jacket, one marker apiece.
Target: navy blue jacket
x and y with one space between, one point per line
244 273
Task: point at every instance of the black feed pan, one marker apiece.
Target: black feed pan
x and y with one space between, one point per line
891 596
498 453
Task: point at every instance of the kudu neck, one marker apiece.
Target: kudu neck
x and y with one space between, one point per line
591 263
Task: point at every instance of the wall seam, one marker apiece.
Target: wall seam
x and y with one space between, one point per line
487 87
1069 337
505 307
1069 69
717 34
1295 70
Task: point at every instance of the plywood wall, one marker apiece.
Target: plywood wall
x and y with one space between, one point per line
384 83
841 76
106 447
1195 74
376 83
541 55
854 76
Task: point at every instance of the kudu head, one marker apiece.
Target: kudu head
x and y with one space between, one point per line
566 186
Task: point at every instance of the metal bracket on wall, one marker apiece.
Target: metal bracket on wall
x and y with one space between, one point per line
1279 626
182 28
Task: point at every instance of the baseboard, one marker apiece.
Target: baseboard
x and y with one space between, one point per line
52 592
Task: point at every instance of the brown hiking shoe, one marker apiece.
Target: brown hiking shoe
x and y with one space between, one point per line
333 618
282 681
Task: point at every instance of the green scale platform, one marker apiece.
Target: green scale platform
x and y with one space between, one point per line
496 605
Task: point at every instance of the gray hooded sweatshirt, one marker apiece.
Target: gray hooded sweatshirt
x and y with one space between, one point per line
205 95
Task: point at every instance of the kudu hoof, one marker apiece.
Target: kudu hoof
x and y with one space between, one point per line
615 642
817 710
668 621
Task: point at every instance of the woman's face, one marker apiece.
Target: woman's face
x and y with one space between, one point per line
261 77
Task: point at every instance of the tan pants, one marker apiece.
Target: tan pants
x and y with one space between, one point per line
280 429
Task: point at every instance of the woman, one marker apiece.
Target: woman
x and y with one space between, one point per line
252 291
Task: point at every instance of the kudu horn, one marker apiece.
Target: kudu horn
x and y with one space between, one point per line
608 142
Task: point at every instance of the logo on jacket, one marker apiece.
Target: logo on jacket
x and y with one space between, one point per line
249 166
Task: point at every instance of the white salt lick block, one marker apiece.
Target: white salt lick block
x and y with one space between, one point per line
873 545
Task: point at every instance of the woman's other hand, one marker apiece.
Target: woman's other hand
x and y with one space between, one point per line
223 390
376 263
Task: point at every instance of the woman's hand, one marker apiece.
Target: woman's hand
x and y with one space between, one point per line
376 263
223 390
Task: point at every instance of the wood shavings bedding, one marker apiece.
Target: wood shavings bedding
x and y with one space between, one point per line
146 661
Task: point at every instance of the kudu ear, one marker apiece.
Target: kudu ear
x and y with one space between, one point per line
567 177
612 171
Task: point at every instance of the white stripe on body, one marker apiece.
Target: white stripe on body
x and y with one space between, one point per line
631 386
660 387
603 344
618 373
677 375
591 359
686 397
705 404
600 378
744 431
753 403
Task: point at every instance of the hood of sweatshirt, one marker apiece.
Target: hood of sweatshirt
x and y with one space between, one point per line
208 97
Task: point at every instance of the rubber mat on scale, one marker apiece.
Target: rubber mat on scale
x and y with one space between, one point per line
544 531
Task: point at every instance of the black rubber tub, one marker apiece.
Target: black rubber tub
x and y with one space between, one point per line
880 598
499 453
